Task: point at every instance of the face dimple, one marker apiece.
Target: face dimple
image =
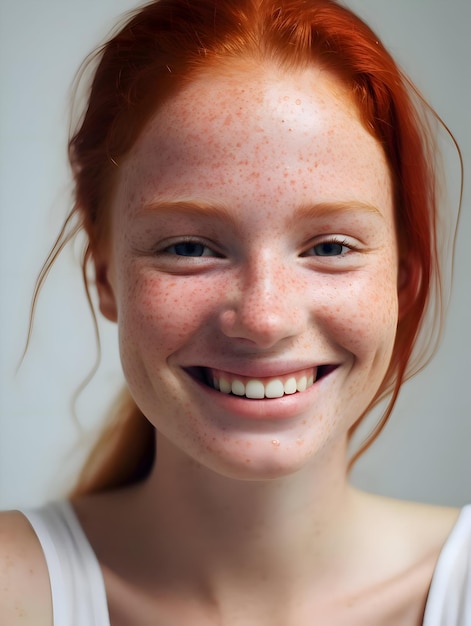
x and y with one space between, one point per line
260 146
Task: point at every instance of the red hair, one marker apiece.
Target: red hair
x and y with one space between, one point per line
166 43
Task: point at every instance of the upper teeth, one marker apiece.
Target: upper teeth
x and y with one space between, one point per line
268 388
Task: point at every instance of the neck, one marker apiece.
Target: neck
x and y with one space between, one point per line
223 529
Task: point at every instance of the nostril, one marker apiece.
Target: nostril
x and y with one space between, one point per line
262 321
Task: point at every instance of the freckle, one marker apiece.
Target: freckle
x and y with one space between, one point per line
275 443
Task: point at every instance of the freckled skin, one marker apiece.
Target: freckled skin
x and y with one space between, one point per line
262 146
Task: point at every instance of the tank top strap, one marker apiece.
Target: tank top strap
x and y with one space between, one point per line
449 598
77 585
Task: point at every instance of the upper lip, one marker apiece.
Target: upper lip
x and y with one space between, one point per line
263 370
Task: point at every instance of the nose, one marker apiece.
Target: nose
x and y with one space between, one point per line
264 304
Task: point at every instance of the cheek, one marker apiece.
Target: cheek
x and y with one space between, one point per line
363 314
159 312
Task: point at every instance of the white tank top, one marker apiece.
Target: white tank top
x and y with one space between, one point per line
77 585
78 589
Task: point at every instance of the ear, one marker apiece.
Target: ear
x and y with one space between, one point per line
106 295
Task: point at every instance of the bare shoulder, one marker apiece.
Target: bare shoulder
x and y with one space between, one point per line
427 526
400 543
25 596
431 521
408 534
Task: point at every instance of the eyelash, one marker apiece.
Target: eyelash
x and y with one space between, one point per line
333 241
343 242
189 241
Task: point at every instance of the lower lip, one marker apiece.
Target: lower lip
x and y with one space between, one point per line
286 407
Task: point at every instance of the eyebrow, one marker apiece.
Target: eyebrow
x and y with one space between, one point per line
327 209
191 208
198 208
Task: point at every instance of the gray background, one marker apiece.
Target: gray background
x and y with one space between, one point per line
424 452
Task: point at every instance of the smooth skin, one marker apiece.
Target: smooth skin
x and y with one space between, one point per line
252 235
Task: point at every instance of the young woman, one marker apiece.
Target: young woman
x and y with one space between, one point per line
260 206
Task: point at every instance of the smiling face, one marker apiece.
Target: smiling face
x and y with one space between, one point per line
253 270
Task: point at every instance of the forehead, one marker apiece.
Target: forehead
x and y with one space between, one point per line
234 127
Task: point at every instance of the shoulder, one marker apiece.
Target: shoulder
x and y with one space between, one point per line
424 530
403 545
450 592
25 596
426 527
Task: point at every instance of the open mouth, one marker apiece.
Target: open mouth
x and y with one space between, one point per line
259 388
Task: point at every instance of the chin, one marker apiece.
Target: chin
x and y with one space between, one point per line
258 462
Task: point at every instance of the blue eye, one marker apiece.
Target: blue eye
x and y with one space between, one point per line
329 248
334 247
190 249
